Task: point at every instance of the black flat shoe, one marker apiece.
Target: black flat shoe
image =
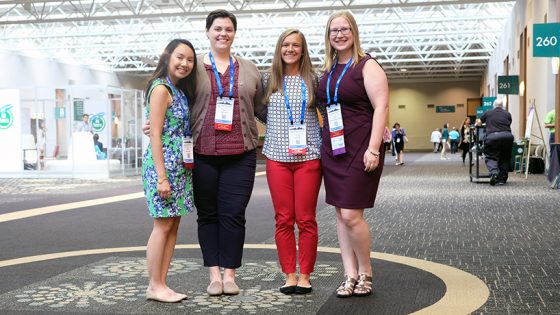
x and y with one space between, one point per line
290 289
303 290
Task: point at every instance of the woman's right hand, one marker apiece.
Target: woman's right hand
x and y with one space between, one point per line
146 128
164 189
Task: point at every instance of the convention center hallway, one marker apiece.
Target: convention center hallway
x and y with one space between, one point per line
441 245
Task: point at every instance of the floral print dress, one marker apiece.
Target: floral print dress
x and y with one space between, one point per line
180 179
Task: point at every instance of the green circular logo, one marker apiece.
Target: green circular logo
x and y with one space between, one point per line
6 117
98 122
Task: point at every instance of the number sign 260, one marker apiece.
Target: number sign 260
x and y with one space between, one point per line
546 41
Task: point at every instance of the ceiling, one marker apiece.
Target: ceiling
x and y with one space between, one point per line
414 40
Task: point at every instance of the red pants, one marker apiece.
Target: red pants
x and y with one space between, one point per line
294 188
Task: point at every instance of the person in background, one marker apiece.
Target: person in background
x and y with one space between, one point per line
167 183
97 143
393 139
549 122
454 136
498 142
440 146
354 92
435 138
399 140
293 166
84 125
466 139
100 155
445 142
387 138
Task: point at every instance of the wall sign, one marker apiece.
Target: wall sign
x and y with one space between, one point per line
10 131
445 109
488 101
59 113
508 84
98 122
78 109
546 40
481 109
6 116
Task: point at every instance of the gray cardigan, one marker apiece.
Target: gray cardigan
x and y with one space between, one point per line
250 93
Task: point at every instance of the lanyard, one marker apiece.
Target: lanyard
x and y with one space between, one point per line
217 76
337 82
184 106
303 103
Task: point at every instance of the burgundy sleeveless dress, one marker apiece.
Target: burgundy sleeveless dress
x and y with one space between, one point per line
347 185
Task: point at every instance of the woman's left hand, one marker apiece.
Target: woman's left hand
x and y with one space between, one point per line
371 161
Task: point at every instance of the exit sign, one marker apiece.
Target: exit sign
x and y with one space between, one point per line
508 84
546 40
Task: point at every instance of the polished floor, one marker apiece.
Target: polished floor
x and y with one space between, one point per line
441 245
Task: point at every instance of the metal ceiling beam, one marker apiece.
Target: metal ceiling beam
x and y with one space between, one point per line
243 10
433 39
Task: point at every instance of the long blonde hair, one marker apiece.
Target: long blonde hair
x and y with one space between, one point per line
330 52
277 70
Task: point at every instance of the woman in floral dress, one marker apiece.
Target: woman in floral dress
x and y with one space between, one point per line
167 182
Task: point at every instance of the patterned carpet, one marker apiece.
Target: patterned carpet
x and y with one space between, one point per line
508 236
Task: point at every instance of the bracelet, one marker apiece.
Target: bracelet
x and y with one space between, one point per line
161 181
376 154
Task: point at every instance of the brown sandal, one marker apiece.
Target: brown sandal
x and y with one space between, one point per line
364 285
346 288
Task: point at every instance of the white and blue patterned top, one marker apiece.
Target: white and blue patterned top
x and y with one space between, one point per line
276 138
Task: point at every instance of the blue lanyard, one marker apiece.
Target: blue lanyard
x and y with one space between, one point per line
217 76
303 103
184 106
337 82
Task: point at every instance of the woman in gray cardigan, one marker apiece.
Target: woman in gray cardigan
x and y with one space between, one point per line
225 133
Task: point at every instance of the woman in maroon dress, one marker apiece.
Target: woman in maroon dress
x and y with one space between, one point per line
355 87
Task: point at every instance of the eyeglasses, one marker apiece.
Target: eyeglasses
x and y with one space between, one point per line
333 32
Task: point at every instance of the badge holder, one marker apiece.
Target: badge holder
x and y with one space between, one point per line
336 129
188 152
297 139
223 119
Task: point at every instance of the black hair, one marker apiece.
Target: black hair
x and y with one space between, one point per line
187 84
220 13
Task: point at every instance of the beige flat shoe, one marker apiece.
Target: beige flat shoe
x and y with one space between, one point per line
230 288
174 299
215 288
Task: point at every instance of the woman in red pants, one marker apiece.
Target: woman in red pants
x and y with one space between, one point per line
292 146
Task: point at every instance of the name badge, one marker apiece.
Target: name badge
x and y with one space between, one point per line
398 140
188 152
297 135
223 119
336 129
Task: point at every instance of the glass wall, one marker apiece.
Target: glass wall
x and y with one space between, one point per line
80 131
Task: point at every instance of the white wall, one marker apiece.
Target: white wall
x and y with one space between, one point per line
539 78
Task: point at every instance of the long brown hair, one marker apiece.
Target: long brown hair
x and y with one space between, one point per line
330 52
277 70
187 84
